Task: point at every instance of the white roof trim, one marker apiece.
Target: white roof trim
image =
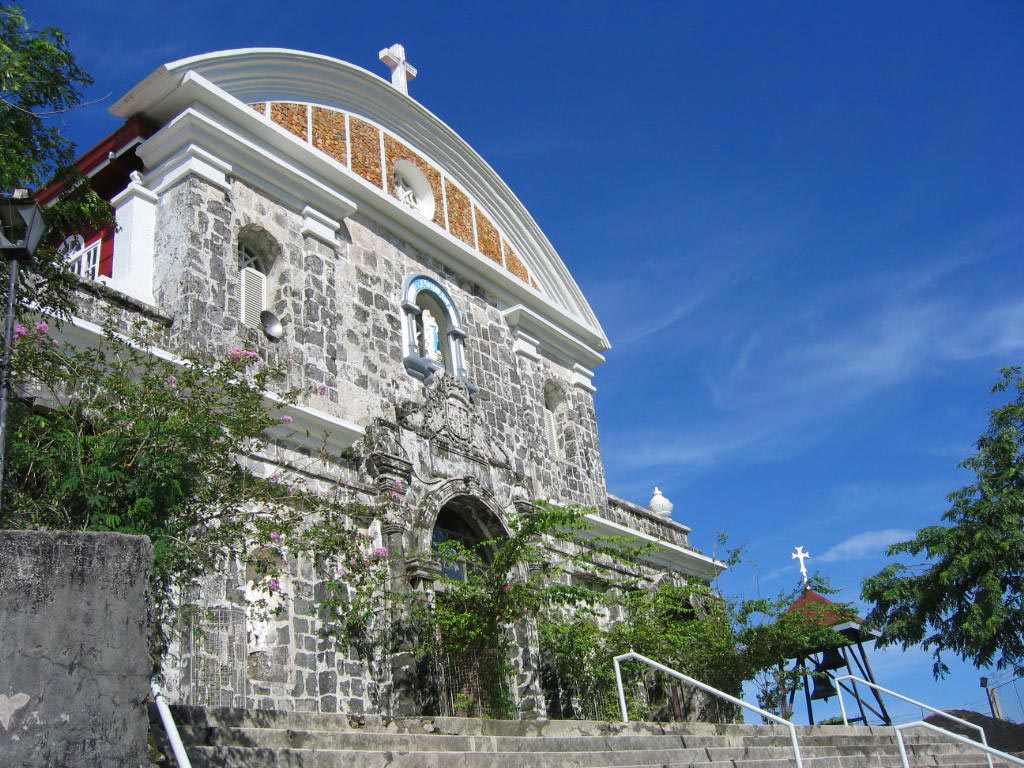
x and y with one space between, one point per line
310 428
244 76
664 554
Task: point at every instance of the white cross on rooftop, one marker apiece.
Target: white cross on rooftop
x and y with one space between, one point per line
401 70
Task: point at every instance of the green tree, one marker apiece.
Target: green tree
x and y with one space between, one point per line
39 80
114 438
966 594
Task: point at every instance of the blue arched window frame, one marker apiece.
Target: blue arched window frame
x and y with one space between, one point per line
416 363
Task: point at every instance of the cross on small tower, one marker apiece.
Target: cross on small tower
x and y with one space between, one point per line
801 556
401 70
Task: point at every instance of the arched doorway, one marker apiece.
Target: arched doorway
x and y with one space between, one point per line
472 663
468 521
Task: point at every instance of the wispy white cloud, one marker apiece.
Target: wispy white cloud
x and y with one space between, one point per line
865 545
785 380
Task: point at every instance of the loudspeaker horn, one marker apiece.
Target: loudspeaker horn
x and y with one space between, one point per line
271 325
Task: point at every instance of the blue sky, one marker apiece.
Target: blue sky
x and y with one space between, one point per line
800 224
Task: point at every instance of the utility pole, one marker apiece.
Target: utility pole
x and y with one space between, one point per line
993 700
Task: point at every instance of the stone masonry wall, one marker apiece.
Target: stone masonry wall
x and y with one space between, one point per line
341 308
74 653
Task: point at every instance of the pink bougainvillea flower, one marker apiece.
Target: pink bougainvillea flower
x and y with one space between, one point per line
172 382
379 552
396 496
341 573
42 326
275 537
239 355
321 390
273 584
286 419
20 331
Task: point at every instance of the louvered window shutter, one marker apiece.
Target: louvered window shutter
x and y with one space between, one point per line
551 432
254 294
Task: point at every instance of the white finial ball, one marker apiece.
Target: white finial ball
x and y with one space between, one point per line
660 505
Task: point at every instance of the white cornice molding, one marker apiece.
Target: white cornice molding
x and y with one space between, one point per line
195 134
662 553
309 429
239 77
553 339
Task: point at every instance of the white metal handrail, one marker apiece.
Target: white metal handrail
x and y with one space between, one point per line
989 751
933 710
169 727
704 687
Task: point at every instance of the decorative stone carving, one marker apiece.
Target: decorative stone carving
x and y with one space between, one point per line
450 419
386 461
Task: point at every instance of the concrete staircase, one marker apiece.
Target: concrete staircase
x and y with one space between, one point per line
232 738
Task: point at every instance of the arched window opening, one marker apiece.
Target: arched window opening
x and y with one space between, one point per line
467 521
433 332
257 252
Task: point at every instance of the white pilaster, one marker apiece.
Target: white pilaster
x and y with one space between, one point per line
135 212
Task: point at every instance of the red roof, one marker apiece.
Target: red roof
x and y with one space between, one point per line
109 174
821 609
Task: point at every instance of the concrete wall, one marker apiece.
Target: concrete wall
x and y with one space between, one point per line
74 658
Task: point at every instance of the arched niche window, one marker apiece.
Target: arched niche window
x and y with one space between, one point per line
257 252
556 418
433 332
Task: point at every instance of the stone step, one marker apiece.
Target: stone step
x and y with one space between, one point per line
237 757
233 737
358 740
240 757
280 738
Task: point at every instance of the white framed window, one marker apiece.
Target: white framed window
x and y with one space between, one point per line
83 258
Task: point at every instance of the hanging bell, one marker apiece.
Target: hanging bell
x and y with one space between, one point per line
824 688
831 658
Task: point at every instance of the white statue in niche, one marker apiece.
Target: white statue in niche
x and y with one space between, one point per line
404 191
431 337
260 610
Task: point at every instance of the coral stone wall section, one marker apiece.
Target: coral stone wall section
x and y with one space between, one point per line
294 118
329 134
460 214
461 217
487 237
514 265
74 649
365 140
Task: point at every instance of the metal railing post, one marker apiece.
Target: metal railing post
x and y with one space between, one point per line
707 689
989 751
854 679
170 728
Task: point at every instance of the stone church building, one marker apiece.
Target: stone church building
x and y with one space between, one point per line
307 209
